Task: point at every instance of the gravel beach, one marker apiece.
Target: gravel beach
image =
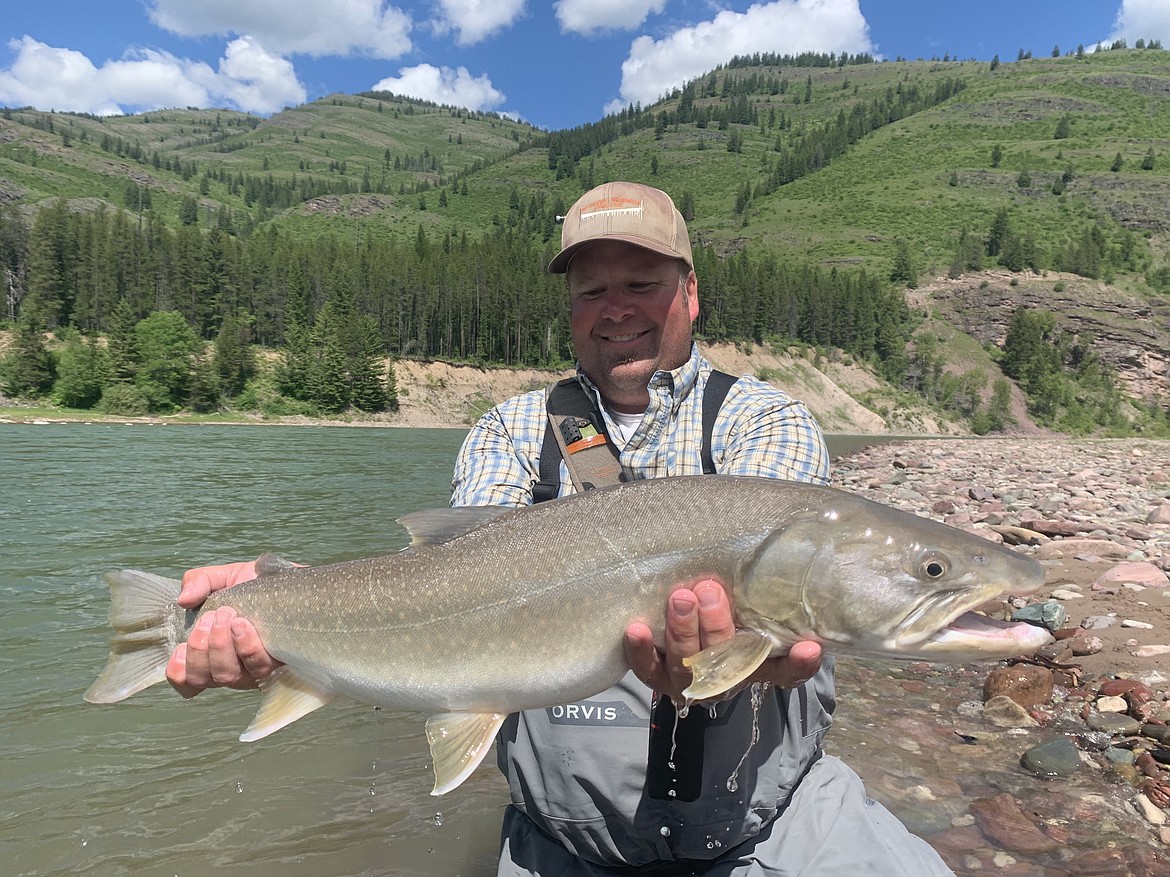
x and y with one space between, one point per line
1062 768
1096 513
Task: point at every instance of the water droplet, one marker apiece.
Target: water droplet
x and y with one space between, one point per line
84 842
664 831
239 788
371 788
758 690
672 793
437 819
684 710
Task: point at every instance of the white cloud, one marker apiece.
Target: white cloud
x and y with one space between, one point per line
309 27
589 17
248 78
256 80
654 67
1142 20
476 20
444 86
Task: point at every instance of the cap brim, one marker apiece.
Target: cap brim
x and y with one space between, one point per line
560 262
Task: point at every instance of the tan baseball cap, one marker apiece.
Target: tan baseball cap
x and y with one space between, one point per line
631 212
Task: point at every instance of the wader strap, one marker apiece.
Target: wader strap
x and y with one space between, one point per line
718 385
590 455
592 460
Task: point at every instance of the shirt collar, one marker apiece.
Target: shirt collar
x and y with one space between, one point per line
678 382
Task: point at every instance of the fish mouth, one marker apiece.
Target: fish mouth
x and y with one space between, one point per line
933 615
958 632
974 632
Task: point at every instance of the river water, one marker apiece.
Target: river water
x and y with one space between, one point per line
159 786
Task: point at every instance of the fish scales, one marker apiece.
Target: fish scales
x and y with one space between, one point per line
542 586
492 611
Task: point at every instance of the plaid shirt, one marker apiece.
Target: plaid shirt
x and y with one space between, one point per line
760 431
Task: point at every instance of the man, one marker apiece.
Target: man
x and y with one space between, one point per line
738 787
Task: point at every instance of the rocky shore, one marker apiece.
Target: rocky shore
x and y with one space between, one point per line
1090 712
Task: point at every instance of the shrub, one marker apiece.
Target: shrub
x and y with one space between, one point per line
123 399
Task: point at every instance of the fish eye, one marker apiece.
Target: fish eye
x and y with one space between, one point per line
934 568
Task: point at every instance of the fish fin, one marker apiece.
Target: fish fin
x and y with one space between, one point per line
459 741
432 526
148 623
287 695
268 564
722 667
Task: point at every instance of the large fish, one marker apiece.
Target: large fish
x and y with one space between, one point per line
493 610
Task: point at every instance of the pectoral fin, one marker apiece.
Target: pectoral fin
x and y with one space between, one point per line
459 741
722 667
287 695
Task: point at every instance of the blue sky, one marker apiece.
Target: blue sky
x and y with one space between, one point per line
555 64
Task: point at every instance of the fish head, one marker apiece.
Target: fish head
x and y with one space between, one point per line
867 579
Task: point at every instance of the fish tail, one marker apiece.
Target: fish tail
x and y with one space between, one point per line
148 623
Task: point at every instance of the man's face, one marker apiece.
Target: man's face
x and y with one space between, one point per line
631 313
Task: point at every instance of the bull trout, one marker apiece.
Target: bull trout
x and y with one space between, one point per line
492 610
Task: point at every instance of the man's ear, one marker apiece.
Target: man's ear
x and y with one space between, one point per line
692 288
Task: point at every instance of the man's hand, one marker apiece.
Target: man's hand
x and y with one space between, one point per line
222 648
697 618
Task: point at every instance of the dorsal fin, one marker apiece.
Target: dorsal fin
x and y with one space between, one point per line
432 526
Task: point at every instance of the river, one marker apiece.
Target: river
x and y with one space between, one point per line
160 786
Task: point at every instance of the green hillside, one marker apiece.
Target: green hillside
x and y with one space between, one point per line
838 167
923 177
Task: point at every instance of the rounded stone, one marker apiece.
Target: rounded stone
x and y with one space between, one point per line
1026 684
1113 723
1057 757
1003 712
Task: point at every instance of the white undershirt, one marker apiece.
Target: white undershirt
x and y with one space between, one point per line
625 425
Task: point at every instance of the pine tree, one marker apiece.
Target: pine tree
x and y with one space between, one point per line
122 343
296 360
903 270
27 369
189 211
367 391
328 378
52 251
1000 230
233 360
204 392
